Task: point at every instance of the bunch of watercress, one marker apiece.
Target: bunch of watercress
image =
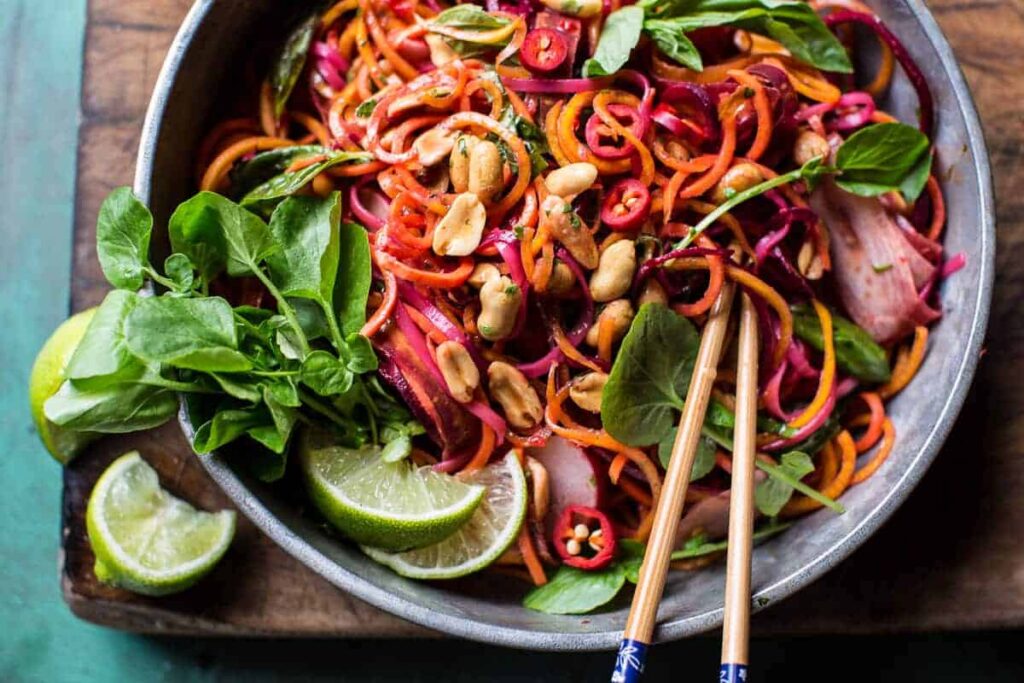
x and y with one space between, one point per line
247 371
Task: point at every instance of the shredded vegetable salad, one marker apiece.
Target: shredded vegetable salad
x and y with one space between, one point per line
550 197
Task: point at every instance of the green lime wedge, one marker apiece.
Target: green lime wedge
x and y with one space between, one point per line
390 505
145 539
491 530
44 381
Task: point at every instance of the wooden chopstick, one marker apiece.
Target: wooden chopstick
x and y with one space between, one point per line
636 637
736 628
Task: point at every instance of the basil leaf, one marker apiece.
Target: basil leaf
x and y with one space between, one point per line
816 441
197 334
699 546
856 352
289 63
471 17
674 43
180 271
123 228
306 264
325 374
620 35
217 234
266 196
113 409
103 355
250 174
884 157
772 494
720 416
574 591
650 377
352 287
786 474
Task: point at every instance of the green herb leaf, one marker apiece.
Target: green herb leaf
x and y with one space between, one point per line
228 425
290 61
325 374
704 460
263 166
772 494
198 334
620 35
360 356
112 409
264 197
181 272
123 229
103 356
352 287
574 591
466 17
397 449
215 233
884 157
699 546
365 108
673 42
650 377
856 352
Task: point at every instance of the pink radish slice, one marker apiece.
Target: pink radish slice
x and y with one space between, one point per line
575 477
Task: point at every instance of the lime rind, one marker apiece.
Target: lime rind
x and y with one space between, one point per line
494 526
145 539
397 506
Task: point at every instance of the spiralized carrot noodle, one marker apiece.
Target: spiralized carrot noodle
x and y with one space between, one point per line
217 172
764 113
908 362
828 370
872 465
874 421
773 299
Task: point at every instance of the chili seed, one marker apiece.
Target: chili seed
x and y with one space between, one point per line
573 546
581 532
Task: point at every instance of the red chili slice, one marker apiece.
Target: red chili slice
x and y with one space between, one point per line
585 538
544 50
627 205
605 142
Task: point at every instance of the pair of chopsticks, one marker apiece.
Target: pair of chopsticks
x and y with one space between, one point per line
640 625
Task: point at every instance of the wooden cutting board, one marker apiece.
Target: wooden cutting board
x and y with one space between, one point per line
951 558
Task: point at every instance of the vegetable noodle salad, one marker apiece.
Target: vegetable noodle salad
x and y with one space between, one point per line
482 241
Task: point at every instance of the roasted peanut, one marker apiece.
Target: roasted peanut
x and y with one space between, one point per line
513 392
459 371
586 391
808 262
809 145
499 306
440 52
569 181
562 279
540 487
568 229
575 8
458 163
614 272
433 146
482 273
620 312
459 232
740 177
486 177
652 292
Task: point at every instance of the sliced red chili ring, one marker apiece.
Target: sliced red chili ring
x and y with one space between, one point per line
600 136
544 50
626 206
585 538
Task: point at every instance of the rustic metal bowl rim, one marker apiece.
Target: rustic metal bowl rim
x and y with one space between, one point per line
465 627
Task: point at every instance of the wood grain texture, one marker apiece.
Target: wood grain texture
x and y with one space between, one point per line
949 558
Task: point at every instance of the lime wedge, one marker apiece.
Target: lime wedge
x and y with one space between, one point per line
44 381
145 539
483 539
390 505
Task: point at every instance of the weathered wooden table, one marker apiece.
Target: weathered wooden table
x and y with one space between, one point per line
951 557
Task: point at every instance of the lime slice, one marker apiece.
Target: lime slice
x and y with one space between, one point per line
46 378
483 539
145 539
390 505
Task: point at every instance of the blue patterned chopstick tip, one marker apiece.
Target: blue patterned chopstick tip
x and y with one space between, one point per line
732 673
629 662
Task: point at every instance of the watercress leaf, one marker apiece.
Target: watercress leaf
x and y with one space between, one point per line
772 494
266 196
816 441
650 376
123 228
704 460
361 358
275 434
631 556
311 317
215 233
113 409
265 464
103 353
263 166
198 334
883 157
397 449
290 61
574 591
699 546
180 271
242 387
856 352
325 374
226 426
284 391
793 466
252 314
620 34
352 286
672 41
306 262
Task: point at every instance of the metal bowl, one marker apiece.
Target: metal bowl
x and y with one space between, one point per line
216 43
